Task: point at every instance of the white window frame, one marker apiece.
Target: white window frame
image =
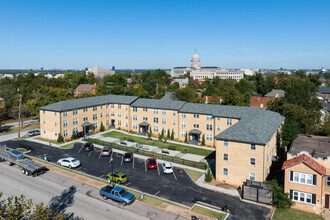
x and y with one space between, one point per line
145 119
304 176
196 115
163 120
225 143
155 110
183 115
251 159
145 109
174 113
155 129
155 120
225 157
209 117
183 124
74 112
196 125
135 117
304 195
253 147
163 112
134 109
252 176
223 171
218 128
229 121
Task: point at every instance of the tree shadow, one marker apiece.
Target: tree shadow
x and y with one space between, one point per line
62 202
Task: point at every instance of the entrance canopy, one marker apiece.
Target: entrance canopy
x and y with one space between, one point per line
144 124
86 124
195 131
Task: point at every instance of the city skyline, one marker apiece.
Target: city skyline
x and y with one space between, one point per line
156 34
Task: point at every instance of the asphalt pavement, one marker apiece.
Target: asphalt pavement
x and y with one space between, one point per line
180 189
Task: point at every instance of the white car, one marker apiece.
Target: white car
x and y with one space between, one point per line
167 168
69 162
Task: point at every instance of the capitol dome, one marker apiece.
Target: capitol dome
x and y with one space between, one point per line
195 61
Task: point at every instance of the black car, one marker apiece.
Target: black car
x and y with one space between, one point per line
128 157
88 146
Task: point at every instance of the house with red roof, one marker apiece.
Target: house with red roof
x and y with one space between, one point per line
307 173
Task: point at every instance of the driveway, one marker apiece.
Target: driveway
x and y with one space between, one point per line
183 190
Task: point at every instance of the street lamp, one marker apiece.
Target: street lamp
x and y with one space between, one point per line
19 115
111 161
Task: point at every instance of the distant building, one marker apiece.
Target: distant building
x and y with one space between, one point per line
198 72
250 72
2 105
307 173
85 88
260 102
100 72
325 92
182 82
276 93
59 75
207 98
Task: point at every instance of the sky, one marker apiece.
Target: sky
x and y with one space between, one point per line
74 34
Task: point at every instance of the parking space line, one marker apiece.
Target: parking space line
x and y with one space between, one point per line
128 184
122 159
101 176
145 165
175 176
158 169
157 193
100 154
78 169
89 153
133 163
110 156
80 149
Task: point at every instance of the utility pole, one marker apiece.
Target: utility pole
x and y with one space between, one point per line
19 116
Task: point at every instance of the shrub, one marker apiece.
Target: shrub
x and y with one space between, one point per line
172 148
102 127
186 138
280 199
59 138
203 140
208 176
74 135
149 134
168 134
130 139
172 135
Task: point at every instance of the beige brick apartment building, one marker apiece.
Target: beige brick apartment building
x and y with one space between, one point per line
307 173
245 138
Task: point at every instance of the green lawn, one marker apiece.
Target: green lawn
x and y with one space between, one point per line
47 140
195 175
141 140
208 212
15 129
68 146
23 150
294 214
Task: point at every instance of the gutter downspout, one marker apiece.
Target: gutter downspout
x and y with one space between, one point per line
321 194
61 124
263 164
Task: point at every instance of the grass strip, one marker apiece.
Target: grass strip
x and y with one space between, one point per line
195 175
208 212
294 214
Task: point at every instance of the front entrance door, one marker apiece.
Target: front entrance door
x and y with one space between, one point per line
327 197
112 122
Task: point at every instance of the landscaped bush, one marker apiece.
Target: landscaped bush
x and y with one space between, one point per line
130 139
172 148
280 199
208 176
59 138
102 127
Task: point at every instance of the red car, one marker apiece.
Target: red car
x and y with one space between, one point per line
152 163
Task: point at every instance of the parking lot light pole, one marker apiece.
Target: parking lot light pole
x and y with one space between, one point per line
111 161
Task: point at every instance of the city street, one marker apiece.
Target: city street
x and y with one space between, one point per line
183 190
72 197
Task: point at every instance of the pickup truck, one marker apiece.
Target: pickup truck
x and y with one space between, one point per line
29 167
118 194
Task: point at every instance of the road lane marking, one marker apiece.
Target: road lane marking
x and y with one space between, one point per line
110 157
100 154
157 193
80 149
89 153
128 184
122 159
145 165
133 162
158 169
175 176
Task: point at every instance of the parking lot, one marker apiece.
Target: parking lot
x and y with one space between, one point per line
178 187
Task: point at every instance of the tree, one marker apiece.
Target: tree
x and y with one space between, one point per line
102 127
172 135
150 133
203 140
161 136
325 128
186 138
280 199
289 132
22 208
186 94
59 138
168 134
208 176
74 135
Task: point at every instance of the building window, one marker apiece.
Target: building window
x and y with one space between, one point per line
101 115
95 117
225 143
94 108
119 122
65 133
253 147
155 120
126 107
107 106
56 133
183 115
95 125
135 118
75 121
229 121
252 176
44 131
155 129
112 105
218 118
145 118
328 181
126 125
85 110
126 116
75 130
183 134
174 122
196 125
43 112
209 127
303 178
44 121
134 109
163 120
112 113
209 117
119 114
208 137
303 197
65 114
107 114
85 118
225 157
164 129
196 115
134 126
183 124
55 123
107 122
174 132
155 111
163 112
75 112
218 128
119 106
65 123
225 171
252 161
55 113
145 109
101 106
174 113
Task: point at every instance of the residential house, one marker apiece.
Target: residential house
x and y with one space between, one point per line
85 88
325 92
207 98
261 102
276 93
307 173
